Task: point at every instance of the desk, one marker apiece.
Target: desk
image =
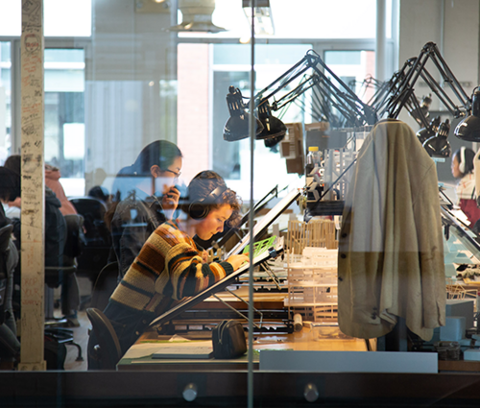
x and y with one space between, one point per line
459 366
326 338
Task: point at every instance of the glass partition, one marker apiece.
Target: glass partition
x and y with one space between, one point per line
167 147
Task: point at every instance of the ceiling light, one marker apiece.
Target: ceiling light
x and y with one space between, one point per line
197 16
262 12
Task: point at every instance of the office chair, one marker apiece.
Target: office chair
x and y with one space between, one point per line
104 286
65 274
107 352
97 236
5 233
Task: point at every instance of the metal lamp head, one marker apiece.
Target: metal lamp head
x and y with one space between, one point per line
426 133
469 128
237 126
438 145
273 128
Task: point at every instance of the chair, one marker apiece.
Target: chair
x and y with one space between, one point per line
5 233
98 241
107 352
104 286
65 275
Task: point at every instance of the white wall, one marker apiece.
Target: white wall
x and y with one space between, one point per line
457 38
131 61
454 26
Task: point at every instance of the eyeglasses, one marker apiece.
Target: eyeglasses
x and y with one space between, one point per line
177 175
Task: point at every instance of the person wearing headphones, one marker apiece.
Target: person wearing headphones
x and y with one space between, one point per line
462 168
169 266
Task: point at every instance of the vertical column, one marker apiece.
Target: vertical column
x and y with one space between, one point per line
33 183
380 41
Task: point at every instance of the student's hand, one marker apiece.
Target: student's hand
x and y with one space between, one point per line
205 257
170 198
238 260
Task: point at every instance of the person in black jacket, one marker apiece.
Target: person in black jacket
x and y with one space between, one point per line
9 344
55 227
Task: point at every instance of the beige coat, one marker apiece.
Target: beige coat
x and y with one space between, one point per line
391 247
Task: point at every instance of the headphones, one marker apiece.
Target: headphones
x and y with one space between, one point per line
461 165
198 208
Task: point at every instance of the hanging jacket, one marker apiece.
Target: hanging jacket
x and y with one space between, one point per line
390 260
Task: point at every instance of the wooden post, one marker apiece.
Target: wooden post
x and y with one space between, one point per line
33 187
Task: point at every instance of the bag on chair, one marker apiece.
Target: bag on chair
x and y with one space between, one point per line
229 340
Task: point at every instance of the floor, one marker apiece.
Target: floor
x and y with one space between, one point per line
80 335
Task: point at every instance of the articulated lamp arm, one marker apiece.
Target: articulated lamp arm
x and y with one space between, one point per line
327 92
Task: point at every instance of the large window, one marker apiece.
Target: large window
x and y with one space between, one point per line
62 18
5 100
64 115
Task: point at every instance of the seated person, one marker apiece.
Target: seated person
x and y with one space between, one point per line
169 267
145 196
462 168
100 193
52 177
55 236
9 344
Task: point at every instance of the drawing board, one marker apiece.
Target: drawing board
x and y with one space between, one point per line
216 287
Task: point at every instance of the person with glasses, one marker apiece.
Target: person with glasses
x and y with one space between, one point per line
145 195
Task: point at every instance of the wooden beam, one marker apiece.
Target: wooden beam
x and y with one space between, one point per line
33 187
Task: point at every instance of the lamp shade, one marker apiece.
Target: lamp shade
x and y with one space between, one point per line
438 145
273 141
237 126
469 128
430 131
272 126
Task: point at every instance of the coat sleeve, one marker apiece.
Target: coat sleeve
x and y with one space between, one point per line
186 275
430 242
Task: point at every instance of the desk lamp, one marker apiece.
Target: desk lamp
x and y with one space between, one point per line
404 94
237 126
438 146
469 128
429 131
309 73
273 128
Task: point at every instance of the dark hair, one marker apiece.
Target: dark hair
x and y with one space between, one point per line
9 184
99 192
469 154
13 163
161 153
200 188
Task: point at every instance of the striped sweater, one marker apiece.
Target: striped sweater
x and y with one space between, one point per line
169 267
